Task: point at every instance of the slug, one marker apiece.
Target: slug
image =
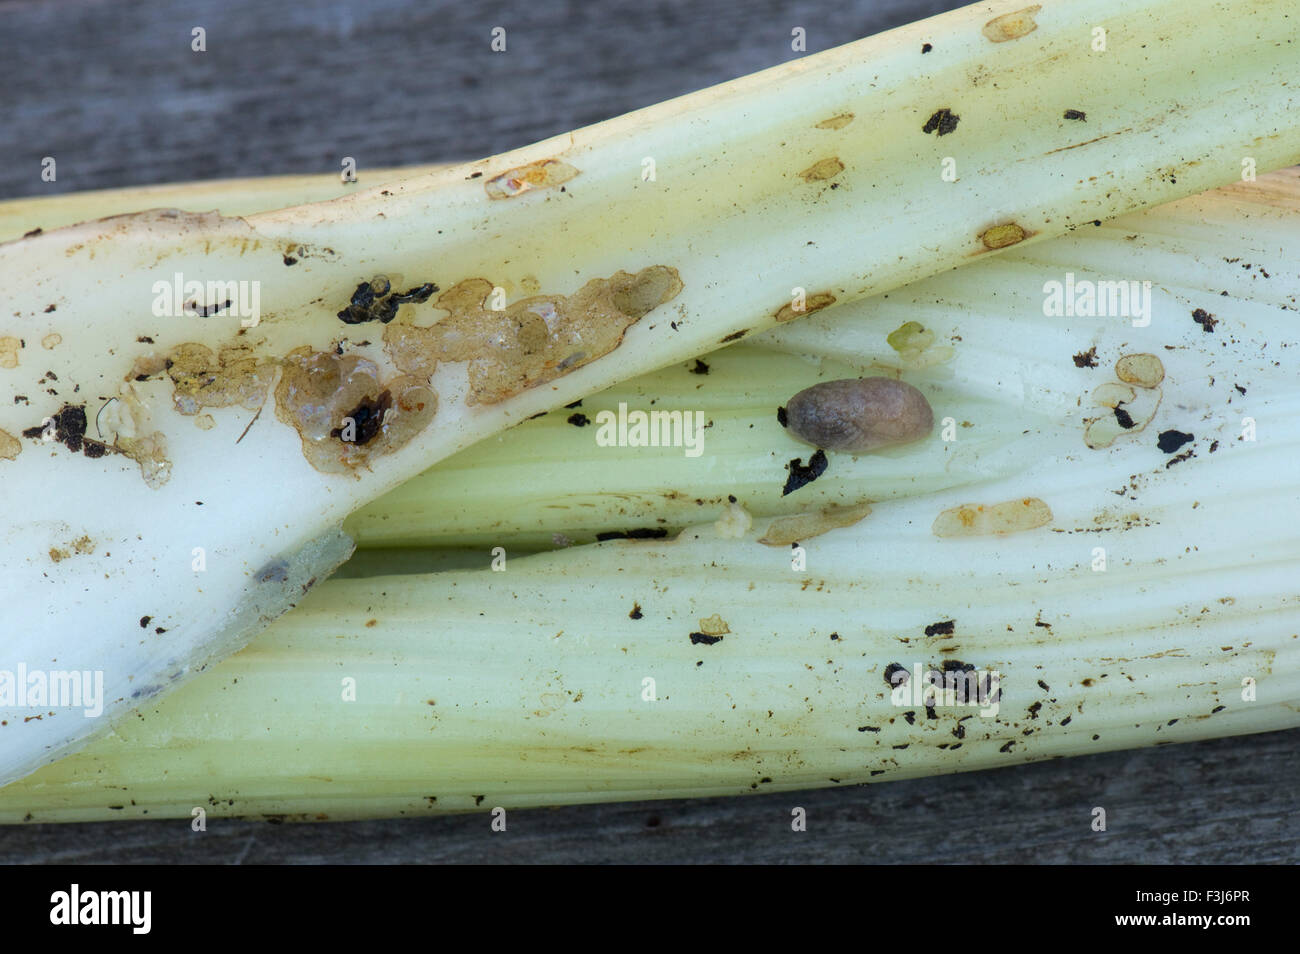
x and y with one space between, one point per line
856 415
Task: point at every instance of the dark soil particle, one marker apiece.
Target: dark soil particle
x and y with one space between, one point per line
579 420
570 407
781 417
1206 320
371 303
636 611
641 533
70 426
700 367
358 310
1124 418
734 336
1076 114
943 121
69 429
1086 359
368 418
889 674
1170 441
144 621
926 47
204 311
801 474
704 639
944 628
290 260
417 295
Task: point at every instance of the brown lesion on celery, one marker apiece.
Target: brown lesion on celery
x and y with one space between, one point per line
1003 236
1132 400
822 169
1012 26
347 409
10 346
784 531
974 520
817 302
202 378
344 412
531 342
536 175
838 121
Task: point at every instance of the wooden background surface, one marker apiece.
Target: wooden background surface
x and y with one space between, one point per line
114 93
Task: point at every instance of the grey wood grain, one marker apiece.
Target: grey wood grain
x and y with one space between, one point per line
1226 801
115 94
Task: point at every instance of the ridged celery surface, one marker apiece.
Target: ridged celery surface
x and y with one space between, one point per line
1190 250
148 432
1147 595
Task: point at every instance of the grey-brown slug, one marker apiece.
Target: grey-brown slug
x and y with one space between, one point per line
857 415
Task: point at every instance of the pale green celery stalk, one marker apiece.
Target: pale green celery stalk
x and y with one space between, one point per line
1155 604
229 196
576 488
825 174
529 687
